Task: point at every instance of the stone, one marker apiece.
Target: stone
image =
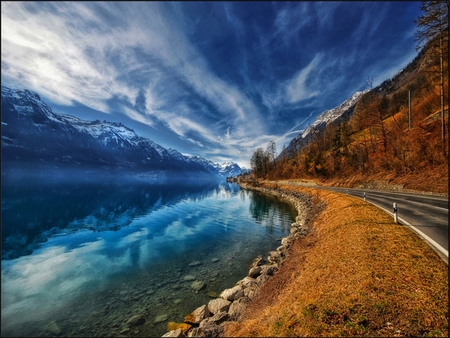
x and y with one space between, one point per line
219 318
135 320
198 285
188 278
195 332
215 260
262 279
171 326
213 294
53 328
237 307
251 292
232 293
269 270
247 282
218 305
161 318
196 263
174 333
210 329
254 272
196 316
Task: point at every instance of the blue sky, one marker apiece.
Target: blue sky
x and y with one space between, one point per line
215 79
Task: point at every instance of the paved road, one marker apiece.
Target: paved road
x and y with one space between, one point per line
425 214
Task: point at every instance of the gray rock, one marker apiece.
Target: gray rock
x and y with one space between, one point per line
196 316
174 333
218 305
269 270
247 282
210 329
188 278
53 328
161 318
215 260
135 320
232 293
198 285
254 272
237 307
219 318
196 263
195 332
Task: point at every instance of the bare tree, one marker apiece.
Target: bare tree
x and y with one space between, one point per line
433 31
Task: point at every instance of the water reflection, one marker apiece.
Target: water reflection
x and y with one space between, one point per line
114 249
34 211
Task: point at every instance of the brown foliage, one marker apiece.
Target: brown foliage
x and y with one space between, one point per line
380 141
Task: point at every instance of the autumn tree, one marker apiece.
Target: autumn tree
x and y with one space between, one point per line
433 32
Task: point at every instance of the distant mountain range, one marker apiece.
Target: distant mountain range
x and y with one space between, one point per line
344 110
35 137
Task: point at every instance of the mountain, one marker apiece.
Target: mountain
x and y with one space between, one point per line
344 110
224 170
33 135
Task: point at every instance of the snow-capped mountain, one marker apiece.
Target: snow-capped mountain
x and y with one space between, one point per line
331 115
345 109
224 170
33 134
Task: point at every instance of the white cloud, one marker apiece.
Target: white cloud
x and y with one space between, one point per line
299 87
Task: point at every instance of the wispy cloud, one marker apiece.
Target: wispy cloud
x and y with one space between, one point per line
302 86
225 77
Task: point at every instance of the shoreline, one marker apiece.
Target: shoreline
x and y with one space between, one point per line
209 319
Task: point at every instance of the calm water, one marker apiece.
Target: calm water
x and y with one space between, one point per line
80 259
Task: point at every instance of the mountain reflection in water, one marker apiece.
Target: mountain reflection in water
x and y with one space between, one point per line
89 255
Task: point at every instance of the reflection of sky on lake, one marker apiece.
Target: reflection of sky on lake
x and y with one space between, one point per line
69 265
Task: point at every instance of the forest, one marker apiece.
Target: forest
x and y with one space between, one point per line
397 133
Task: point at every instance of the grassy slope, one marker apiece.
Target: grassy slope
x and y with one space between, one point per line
356 273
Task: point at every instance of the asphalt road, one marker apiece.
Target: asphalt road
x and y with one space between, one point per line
425 214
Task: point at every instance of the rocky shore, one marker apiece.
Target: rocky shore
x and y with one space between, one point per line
208 320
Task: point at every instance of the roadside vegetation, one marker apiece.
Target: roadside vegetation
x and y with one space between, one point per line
357 273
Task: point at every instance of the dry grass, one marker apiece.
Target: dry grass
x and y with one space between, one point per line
356 274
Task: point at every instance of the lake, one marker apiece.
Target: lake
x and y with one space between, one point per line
81 256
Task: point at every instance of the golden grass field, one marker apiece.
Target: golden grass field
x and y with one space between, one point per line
357 273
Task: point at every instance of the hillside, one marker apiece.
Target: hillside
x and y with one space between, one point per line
378 139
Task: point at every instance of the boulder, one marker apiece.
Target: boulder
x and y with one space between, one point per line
198 285
135 320
233 293
196 316
161 318
254 272
218 305
188 278
219 318
247 282
210 329
237 307
53 328
174 333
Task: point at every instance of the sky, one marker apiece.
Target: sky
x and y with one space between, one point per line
213 79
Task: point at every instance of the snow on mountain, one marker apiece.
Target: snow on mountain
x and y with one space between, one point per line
224 170
33 133
331 115
328 116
